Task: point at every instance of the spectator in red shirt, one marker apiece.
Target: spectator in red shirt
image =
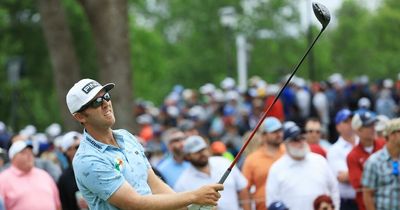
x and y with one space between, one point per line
363 124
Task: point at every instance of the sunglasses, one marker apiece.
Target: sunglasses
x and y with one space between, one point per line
313 131
97 101
395 165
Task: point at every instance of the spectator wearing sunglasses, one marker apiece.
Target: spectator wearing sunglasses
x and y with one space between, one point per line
381 179
111 168
313 136
69 192
300 176
363 124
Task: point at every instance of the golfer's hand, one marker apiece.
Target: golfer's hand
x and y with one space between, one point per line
208 194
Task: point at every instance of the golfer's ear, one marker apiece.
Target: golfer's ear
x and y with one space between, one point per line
80 117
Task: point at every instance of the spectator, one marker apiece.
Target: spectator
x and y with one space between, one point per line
257 164
299 176
69 192
337 155
172 166
313 137
385 104
218 148
51 168
23 186
205 169
146 131
323 202
381 180
364 125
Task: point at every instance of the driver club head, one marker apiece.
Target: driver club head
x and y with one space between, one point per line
322 14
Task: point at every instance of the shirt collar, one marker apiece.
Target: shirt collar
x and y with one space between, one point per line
345 143
101 146
18 172
385 154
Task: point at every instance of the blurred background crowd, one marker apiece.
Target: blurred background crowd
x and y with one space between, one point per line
221 118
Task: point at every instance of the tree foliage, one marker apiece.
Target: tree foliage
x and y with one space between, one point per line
183 42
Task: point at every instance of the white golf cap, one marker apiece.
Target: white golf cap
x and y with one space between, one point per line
194 144
83 92
69 139
17 147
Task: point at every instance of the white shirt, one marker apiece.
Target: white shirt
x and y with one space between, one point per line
336 157
192 179
298 183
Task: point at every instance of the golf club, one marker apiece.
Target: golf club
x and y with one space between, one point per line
323 16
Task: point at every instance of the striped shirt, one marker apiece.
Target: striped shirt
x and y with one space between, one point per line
378 175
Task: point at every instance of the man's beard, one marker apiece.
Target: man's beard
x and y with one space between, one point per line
298 153
200 163
274 144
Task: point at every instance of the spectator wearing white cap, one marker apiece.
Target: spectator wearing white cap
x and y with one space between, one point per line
69 192
299 176
111 167
23 186
207 169
364 125
257 164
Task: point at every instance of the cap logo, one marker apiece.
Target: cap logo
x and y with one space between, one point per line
90 86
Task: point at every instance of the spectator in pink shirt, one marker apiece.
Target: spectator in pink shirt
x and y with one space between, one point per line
23 186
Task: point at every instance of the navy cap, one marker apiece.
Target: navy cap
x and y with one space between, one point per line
342 115
363 119
277 205
291 131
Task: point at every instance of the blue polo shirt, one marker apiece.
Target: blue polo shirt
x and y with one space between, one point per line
100 169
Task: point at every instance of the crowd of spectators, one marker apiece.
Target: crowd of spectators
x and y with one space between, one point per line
223 117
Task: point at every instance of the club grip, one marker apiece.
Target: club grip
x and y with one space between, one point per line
226 174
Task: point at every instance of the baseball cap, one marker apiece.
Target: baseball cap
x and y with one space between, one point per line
83 92
342 115
218 147
392 126
194 144
362 119
172 134
271 124
291 131
17 147
380 124
277 205
69 139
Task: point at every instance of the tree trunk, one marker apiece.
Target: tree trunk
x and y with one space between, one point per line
109 23
62 54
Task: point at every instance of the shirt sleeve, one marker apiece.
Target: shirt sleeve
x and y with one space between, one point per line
369 175
355 171
333 185
240 180
272 187
98 176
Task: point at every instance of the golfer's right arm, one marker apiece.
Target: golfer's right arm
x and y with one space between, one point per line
127 198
